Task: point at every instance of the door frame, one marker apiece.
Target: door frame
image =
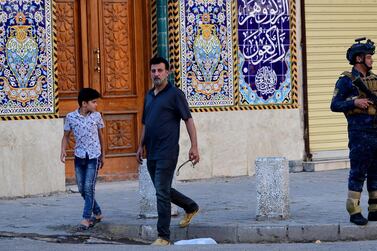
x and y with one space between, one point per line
141 45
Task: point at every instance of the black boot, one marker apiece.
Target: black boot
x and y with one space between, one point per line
372 216
358 219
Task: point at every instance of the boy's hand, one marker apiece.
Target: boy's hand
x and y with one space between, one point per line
65 139
101 161
63 154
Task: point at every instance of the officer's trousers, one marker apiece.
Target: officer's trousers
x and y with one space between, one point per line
363 157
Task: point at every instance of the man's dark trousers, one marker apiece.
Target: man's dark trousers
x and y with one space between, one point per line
162 172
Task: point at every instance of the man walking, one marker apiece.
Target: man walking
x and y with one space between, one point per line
164 107
352 96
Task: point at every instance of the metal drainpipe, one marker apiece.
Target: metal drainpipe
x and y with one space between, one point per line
308 155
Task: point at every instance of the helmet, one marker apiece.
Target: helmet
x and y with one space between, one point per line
359 48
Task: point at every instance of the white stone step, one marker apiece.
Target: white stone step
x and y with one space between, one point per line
326 165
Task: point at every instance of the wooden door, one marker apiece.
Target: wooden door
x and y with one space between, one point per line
100 45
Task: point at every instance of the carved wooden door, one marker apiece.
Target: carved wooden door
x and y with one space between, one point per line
104 44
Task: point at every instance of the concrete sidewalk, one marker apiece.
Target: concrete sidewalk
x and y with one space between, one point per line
228 207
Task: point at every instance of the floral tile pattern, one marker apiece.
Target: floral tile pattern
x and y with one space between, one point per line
27 79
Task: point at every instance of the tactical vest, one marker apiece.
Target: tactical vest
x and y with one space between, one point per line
371 83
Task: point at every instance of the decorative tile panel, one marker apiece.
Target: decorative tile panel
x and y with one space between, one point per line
234 55
207 46
27 80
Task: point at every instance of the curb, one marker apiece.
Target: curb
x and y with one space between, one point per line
301 233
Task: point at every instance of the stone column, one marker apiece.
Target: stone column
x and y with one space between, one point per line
272 178
147 202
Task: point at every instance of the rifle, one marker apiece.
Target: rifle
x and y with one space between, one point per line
370 95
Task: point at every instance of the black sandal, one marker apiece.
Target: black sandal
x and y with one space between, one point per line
82 227
94 220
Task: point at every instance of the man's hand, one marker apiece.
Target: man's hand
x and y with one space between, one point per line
194 155
139 155
63 154
362 103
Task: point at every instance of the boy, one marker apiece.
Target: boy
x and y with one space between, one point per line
86 124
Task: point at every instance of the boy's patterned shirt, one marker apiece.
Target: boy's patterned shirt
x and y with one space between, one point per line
85 129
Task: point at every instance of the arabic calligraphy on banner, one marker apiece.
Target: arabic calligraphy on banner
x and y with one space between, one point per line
264 51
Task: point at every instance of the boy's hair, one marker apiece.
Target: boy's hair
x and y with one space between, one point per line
159 60
87 94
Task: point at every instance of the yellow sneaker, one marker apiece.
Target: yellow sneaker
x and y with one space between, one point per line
161 242
187 218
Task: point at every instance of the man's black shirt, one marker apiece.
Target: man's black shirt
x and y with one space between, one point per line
161 117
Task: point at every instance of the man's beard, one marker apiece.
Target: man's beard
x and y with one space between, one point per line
368 67
157 81
363 64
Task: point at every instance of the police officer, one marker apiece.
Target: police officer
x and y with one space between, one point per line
361 116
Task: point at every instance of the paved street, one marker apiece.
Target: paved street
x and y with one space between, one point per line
32 245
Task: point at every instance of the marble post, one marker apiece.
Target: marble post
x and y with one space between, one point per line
272 181
147 201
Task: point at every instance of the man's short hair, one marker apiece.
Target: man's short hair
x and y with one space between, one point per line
87 94
159 60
